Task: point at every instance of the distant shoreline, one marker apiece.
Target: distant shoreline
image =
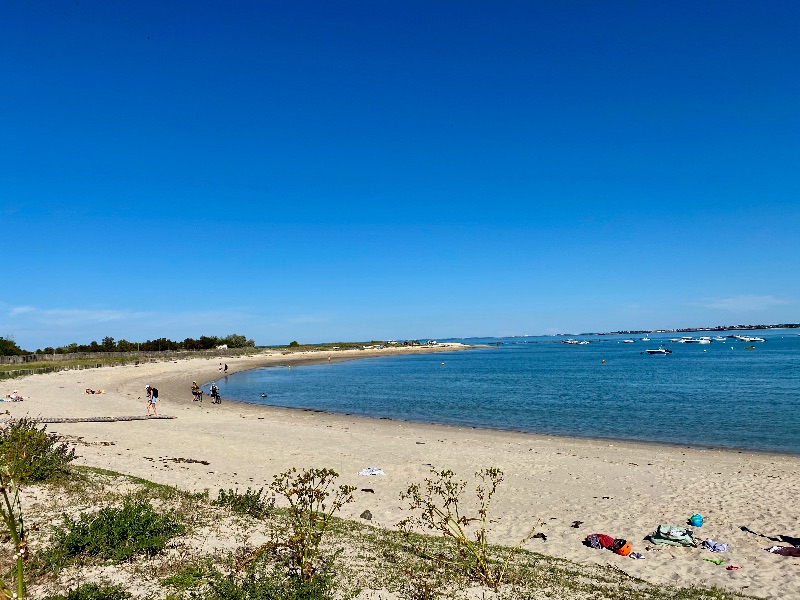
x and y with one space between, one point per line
716 328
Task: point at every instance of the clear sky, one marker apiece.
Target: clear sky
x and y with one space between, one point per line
328 171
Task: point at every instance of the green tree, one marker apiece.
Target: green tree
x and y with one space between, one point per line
108 344
9 348
125 346
237 341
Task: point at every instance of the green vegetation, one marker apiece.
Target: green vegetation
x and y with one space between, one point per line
114 534
250 503
438 506
30 454
110 345
264 580
93 591
307 492
11 512
9 348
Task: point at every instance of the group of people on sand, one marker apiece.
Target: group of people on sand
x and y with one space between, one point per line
197 393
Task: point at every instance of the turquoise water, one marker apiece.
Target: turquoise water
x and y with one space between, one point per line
718 394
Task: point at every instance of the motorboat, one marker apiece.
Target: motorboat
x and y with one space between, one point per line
691 340
748 339
628 341
659 351
645 338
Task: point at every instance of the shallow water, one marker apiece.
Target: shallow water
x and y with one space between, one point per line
718 394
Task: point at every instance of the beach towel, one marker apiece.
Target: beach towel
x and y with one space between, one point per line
672 535
371 471
599 541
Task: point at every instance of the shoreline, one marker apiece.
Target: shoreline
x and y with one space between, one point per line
620 488
553 436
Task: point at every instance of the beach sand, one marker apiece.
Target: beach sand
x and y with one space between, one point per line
612 487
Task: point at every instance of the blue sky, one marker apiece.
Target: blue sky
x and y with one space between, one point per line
326 171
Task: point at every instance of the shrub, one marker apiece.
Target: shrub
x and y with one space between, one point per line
114 533
437 503
93 591
250 503
309 515
32 454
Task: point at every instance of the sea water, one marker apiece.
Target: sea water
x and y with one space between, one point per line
720 394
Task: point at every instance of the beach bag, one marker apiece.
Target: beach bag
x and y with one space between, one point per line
155 392
621 547
672 535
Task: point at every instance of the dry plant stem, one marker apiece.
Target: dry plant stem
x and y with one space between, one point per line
12 516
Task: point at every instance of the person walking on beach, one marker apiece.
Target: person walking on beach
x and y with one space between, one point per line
152 395
226 367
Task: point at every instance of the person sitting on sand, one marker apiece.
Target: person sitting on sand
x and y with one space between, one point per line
91 391
14 396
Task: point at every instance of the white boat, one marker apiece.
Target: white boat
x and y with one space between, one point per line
748 339
659 351
645 338
719 338
628 341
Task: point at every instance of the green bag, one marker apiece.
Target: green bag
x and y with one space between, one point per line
672 535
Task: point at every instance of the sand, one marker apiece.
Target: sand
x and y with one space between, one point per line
617 488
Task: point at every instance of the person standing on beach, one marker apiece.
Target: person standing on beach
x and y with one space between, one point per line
226 367
152 395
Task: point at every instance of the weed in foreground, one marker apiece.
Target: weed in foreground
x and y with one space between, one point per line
437 504
266 581
93 591
114 533
309 515
261 580
11 511
249 503
31 454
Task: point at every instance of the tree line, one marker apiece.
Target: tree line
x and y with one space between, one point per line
108 344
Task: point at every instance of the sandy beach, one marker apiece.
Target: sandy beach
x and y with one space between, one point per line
617 488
